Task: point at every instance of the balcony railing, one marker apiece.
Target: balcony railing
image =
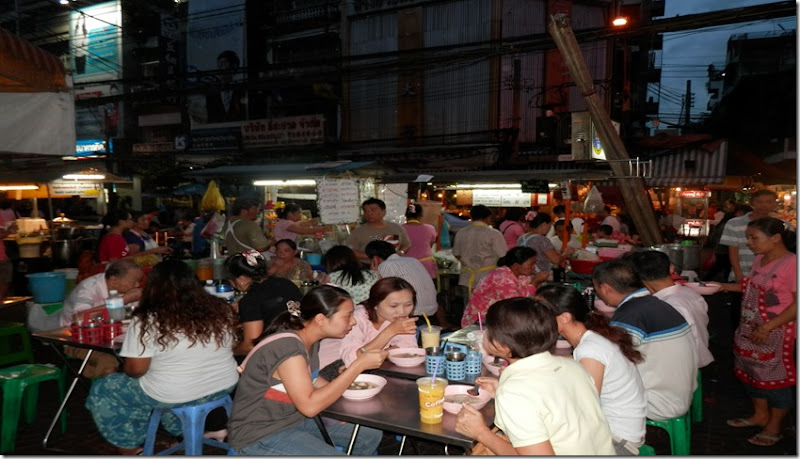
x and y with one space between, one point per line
330 11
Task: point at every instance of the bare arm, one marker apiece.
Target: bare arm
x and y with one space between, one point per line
311 401
554 257
136 367
596 370
251 330
733 253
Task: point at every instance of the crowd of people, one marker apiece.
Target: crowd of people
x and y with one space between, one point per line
298 353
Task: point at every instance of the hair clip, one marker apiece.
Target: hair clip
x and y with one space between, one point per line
530 215
293 307
251 257
412 208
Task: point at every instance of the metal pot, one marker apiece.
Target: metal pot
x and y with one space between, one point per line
68 232
65 252
675 254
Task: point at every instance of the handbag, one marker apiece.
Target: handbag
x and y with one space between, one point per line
482 450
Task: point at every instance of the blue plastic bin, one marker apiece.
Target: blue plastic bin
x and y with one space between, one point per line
47 287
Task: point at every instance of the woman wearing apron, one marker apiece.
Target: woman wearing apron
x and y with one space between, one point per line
765 339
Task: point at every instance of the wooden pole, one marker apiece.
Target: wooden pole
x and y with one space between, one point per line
633 191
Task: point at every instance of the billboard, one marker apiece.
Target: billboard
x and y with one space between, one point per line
216 43
95 42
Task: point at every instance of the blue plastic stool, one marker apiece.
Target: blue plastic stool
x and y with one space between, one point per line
193 419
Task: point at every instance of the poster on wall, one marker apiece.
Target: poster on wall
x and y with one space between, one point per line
395 195
216 43
96 46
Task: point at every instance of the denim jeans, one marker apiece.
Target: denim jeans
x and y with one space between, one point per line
305 439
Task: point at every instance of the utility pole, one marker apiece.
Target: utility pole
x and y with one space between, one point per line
633 192
515 106
687 103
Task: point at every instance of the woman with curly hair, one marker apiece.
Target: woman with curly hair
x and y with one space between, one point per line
346 271
608 354
178 351
264 299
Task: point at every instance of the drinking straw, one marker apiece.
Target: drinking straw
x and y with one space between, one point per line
425 316
480 322
435 370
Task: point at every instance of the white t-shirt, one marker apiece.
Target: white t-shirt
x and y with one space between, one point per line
622 395
694 309
543 397
182 373
89 293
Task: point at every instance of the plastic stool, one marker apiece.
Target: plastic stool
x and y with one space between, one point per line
697 400
14 350
193 419
13 382
679 431
646 450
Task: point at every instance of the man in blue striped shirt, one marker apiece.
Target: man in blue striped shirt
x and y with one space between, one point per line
660 333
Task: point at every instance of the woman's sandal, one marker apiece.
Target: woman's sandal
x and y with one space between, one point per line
764 439
742 422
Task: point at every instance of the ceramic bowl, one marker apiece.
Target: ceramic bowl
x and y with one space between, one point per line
709 289
488 362
377 383
477 402
400 356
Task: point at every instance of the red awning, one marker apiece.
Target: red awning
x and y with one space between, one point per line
27 68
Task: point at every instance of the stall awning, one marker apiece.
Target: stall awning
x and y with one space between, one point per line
28 68
280 171
691 166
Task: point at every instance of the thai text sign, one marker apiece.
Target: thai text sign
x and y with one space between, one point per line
63 187
293 130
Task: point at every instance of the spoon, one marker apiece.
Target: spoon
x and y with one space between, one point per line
702 284
474 392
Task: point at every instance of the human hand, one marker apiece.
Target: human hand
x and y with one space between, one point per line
403 327
469 422
488 384
371 359
738 277
759 334
540 277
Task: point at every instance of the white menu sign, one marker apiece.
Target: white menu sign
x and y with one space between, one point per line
338 200
501 198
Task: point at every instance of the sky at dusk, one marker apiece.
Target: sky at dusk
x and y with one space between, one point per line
687 54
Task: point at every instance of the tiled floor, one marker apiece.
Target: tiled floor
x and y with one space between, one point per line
723 399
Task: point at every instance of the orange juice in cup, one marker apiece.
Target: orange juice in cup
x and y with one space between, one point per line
431 398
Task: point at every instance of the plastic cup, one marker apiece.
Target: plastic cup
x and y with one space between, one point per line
430 336
431 398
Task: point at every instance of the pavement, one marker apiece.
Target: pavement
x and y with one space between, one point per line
723 398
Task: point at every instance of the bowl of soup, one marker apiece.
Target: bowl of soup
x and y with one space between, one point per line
456 395
407 356
364 387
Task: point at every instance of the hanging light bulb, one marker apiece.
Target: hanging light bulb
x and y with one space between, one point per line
619 20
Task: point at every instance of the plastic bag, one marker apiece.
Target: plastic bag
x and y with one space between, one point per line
594 202
214 226
212 198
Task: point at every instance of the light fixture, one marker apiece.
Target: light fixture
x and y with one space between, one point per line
489 185
297 182
84 177
18 187
619 19
64 2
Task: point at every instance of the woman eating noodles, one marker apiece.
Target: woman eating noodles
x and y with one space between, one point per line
545 405
177 352
279 393
382 321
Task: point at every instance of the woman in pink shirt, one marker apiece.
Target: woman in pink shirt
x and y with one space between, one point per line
511 226
422 236
382 321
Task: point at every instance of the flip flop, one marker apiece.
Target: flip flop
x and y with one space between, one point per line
741 422
764 439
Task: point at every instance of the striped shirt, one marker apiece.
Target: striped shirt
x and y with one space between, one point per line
733 235
411 270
